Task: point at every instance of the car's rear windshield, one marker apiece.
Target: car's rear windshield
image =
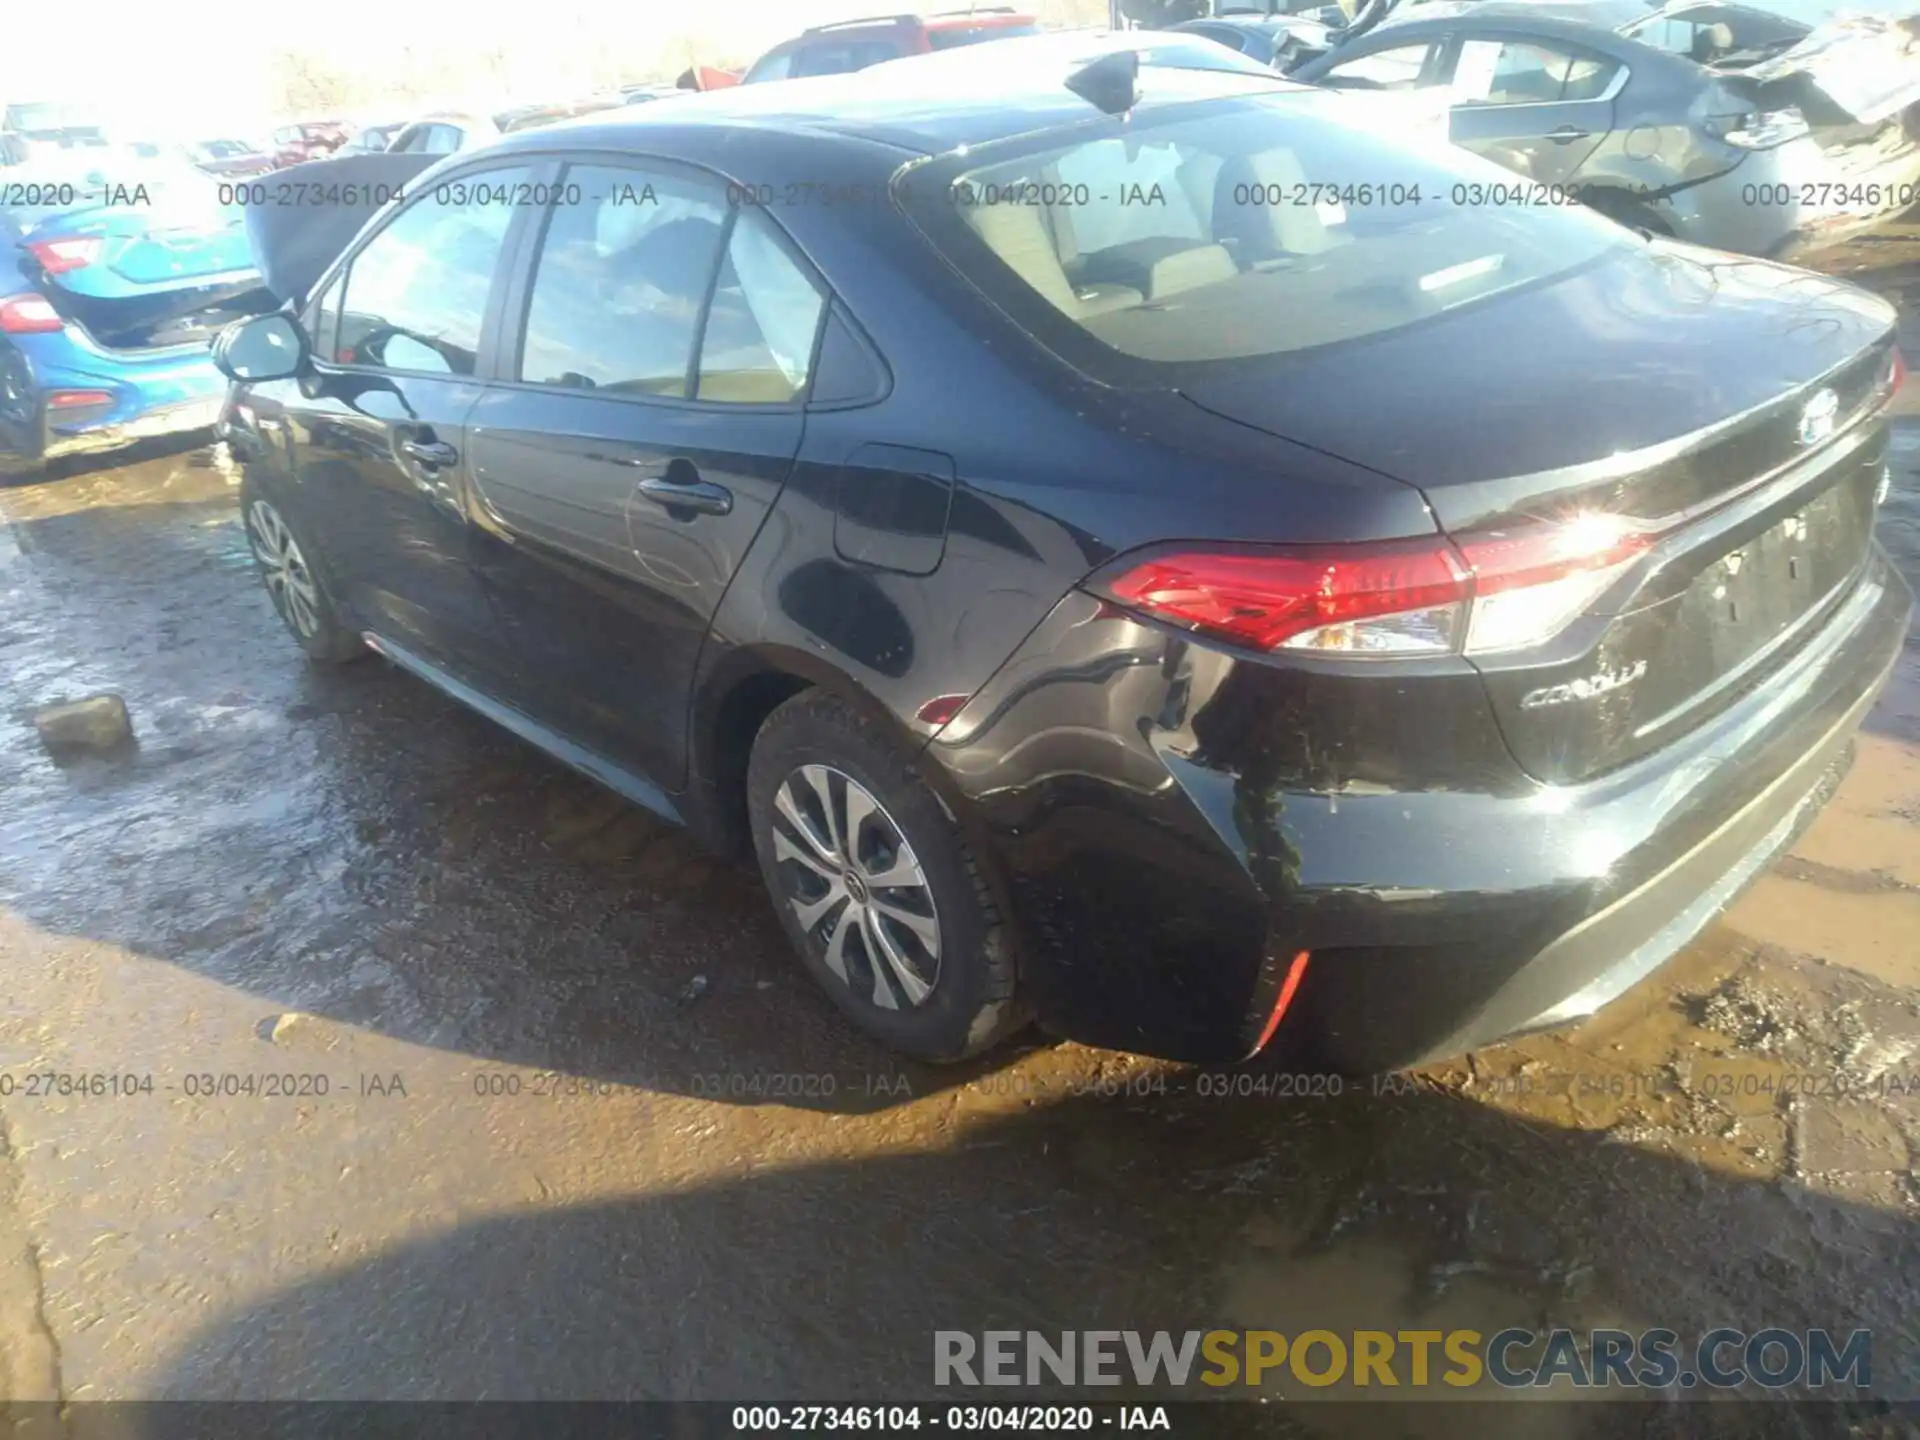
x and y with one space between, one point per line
946 37
1230 229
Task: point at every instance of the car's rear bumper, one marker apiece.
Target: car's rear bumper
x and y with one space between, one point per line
1795 201
156 392
1173 826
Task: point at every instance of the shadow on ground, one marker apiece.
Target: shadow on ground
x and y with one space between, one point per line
827 1281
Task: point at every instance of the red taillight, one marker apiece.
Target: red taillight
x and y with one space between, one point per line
1896 372
1497 590
1265 600
74 399
71 252
28 315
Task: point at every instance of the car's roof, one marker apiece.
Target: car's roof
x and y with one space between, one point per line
1549 17
930 104
943 20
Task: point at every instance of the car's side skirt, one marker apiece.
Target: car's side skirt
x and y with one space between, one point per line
621 781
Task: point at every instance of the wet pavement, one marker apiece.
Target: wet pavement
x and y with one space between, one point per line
428 1070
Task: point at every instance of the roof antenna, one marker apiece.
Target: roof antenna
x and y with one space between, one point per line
1111 83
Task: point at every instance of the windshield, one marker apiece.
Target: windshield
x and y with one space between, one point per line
946 37
1236 229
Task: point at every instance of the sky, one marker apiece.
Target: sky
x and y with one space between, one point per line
194 69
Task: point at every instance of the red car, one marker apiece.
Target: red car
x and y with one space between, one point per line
856 44
308 140
229 158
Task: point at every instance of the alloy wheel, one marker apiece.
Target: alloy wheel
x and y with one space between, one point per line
856 887
289 580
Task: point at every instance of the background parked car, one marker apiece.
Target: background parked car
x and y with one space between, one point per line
372 139
444 134
308 140
106 309
525 117
645 94
1678 138
855 44
228 158
1280 41
58 126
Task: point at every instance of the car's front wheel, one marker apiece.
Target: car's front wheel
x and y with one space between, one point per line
297 588
875 885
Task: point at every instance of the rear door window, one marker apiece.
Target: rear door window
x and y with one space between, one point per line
1505 71
621 281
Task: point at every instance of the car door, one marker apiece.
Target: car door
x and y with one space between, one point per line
646 416
1539 107
398 334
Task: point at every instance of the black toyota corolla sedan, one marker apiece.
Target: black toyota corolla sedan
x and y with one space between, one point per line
1146 553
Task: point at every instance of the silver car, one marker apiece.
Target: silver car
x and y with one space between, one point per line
1770 127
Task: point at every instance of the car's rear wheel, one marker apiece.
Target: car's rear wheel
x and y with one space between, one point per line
875 885
19 418
297 588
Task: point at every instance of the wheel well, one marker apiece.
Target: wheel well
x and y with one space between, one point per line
1624 206
735 724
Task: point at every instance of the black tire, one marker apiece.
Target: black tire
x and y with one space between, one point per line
971 1003
313 617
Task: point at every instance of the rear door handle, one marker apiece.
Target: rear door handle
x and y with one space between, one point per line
436 454
700 496
1567 134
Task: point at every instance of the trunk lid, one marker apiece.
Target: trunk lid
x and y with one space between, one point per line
171 267
1732 407
1866 67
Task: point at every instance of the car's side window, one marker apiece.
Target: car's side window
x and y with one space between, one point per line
776 64
620 282
1523 72
416 295
442 140
761 326
1400 68
838 57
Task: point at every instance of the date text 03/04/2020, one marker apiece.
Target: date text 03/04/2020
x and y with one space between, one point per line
905 1419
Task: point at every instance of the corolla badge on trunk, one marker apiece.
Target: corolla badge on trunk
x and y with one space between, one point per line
1820 417
1587 687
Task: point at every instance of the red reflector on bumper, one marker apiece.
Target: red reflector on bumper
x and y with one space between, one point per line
74 399
1285 998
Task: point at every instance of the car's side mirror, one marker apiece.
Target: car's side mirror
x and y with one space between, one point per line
266 347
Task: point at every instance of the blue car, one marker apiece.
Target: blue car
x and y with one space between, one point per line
112 285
